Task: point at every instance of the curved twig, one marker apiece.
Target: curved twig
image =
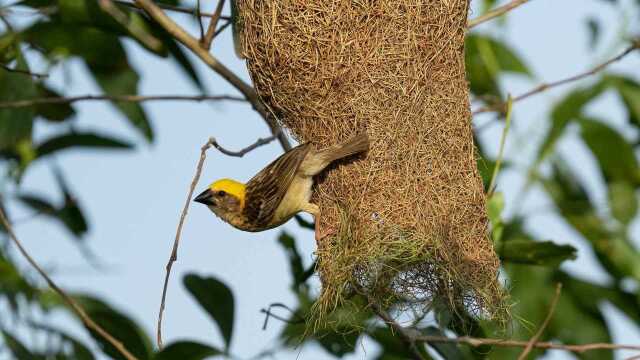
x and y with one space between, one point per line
86 319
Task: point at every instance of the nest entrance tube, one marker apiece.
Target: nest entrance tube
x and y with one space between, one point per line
410 217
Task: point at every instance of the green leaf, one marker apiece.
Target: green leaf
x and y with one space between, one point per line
485 59
178 54
118 325
52 112
623 201
629 91
594 32
8 47
614 154
495 205
38 204
593 296
76 349
564 112
89 13
18 349
16 124
295 260
216 299
546 253
615 252
121 82
187 350
531 294
104 55
12 284
592 328
83 140
392 346
68 213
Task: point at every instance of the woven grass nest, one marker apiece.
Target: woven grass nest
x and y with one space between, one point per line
410 216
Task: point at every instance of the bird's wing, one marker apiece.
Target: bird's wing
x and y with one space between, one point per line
265 191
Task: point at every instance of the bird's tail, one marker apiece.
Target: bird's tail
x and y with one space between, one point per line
355 145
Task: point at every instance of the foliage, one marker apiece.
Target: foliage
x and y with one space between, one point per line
79 30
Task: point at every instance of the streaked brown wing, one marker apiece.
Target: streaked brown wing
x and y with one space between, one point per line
265 190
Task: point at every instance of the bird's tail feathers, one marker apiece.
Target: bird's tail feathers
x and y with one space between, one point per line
355 145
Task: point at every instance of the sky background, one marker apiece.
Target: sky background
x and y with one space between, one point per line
133 199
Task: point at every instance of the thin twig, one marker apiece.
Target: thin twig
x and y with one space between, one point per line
25 72
147 39
269 314
408 338
546 86
503 140
194 45
194 11
500 10
116 98
245 150
199 19
538 334
174 251
213 24
173 8
221 29
475 342
89 323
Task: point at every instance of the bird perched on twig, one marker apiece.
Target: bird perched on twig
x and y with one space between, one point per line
280 190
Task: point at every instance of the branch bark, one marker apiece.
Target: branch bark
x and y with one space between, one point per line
174 251
408 336
116 98
546 86
194 45
501 10
540 331
213 24
475 342
75 307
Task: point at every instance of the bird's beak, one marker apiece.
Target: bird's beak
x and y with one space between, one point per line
205 197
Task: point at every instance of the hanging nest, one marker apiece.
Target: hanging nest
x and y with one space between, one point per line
409 217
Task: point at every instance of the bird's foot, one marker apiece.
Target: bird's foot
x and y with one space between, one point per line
321 234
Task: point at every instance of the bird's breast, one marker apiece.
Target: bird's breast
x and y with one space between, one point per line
298 194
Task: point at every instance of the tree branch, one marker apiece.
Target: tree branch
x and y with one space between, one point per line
173 8
408 336
25 72
116 98
89 323
147 39
213 24
495 13
245 150
176 243
194 12
194 45
536 337
475 342
546 86
174 251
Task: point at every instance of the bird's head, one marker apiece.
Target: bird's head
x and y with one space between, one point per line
224 197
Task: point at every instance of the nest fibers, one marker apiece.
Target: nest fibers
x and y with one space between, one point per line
409 217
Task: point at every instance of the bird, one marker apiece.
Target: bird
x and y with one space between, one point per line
280 190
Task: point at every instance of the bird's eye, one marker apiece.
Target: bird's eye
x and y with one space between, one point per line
222 193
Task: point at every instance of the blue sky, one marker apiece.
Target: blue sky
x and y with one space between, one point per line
133 199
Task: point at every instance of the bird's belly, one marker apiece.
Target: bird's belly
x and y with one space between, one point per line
297 196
